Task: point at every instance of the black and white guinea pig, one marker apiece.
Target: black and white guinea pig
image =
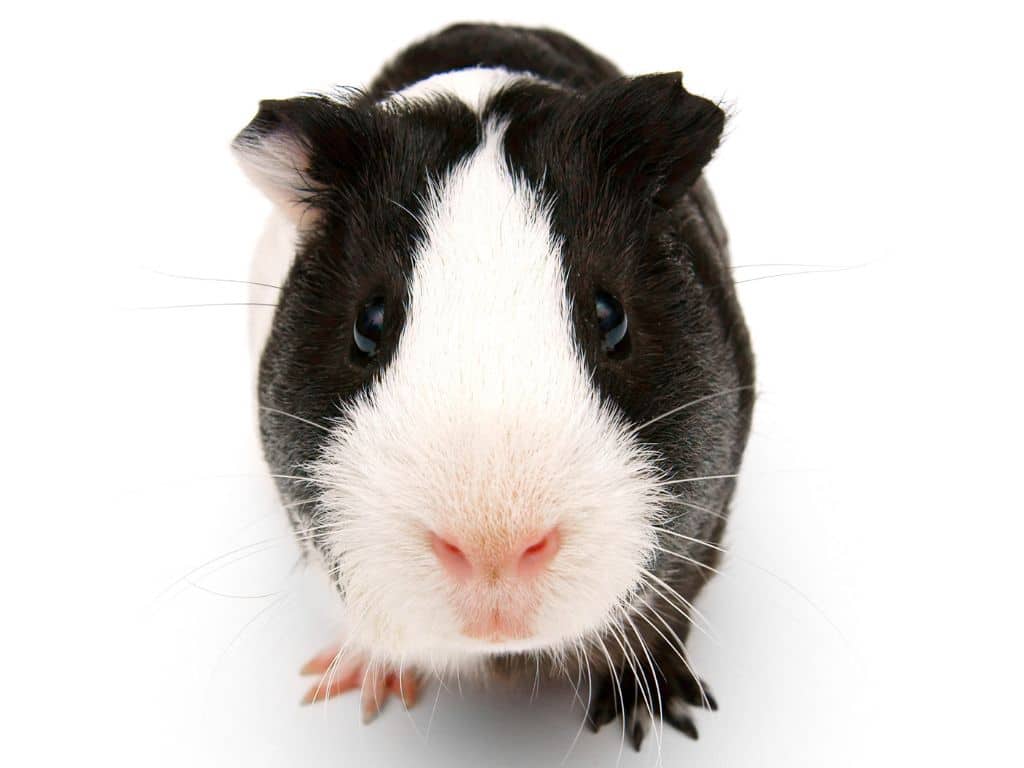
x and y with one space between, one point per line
507 385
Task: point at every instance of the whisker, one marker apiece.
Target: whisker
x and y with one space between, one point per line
679 652
684 503
300 503
412 215
192 306
654 677
401 695
249 550
667 626
616 687
669 601
690 560
201 588
767 571
332 670
672 591
690 538
630 656
223 279
695 479
579 675
536 678
437 698
581 659
795 266
234 641
300 478
690 404
293 416
803 272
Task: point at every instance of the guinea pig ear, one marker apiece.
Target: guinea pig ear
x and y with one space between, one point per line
292 150
651 134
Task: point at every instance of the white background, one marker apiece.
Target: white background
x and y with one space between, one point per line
869 613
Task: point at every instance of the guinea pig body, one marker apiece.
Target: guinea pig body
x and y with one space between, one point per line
507 384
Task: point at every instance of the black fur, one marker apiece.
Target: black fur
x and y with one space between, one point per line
620 160
542 52
366 175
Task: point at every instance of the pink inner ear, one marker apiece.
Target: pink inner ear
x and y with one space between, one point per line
276 165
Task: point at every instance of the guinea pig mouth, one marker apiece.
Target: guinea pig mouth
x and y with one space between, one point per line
495 613
497 626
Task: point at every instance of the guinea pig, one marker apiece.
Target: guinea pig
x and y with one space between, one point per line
507 384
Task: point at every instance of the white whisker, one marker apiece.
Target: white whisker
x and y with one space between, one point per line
679 652
194 306
690 404
695 479
293 416
675 593
803 272
215 279
690 538
689 560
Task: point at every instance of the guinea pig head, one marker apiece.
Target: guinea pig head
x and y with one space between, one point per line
483 308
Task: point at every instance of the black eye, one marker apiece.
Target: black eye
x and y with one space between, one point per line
369 326
611 320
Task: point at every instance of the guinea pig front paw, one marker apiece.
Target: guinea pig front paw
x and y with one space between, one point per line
341 670
633 697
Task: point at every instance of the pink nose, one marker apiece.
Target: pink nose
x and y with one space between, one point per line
522 561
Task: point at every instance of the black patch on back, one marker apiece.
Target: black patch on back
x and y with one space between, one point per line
543 52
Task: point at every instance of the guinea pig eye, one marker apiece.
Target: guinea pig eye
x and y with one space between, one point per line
611 321
369 326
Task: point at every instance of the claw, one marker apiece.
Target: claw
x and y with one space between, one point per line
620 694
603 707
320 663
406 686
376 683
347 676
637 735
695 692
374 694
675 714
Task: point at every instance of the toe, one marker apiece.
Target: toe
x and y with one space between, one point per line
696 693
320 663
374 693
406 686
675 714
637 733
334 683
352 672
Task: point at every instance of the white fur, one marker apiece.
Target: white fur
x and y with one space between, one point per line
274 165
472 86
485 425
275 252
271 166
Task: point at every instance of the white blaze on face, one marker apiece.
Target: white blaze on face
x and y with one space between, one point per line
485 428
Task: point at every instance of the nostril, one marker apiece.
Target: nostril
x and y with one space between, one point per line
536 555
451 557
451 548
535 548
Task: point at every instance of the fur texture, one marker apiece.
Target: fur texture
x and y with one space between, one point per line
486 207
489 403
